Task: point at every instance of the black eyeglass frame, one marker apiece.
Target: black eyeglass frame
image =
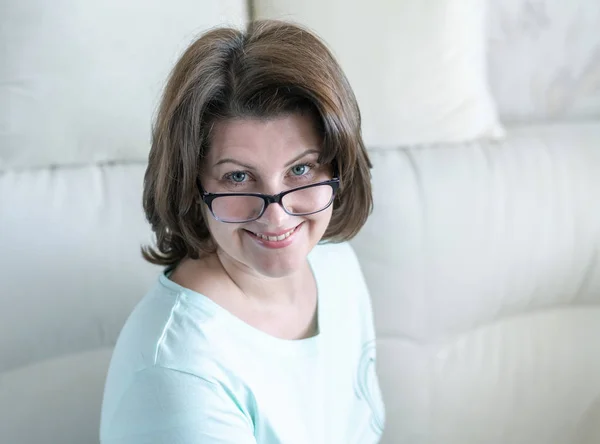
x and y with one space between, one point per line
268 199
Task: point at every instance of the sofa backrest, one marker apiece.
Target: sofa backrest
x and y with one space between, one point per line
483 264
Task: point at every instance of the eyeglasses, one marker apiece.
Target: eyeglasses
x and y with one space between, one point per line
246 207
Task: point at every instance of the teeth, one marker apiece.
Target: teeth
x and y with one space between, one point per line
276 238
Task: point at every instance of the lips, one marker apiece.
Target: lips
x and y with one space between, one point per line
275 237
276 240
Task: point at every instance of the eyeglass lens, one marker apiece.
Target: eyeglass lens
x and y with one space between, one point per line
246 208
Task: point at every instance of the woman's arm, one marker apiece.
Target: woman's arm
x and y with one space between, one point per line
164 406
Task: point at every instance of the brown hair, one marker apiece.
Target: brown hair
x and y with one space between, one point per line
272 69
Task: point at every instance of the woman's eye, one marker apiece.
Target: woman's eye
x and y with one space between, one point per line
237 176
300 170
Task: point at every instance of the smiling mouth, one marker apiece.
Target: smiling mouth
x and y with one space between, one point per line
275 238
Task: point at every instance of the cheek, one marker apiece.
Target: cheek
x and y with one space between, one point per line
225 236
322 219
214 227
217 229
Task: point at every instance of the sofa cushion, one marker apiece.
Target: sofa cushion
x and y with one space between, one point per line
418 68
530 378
70 259
54 401
79 81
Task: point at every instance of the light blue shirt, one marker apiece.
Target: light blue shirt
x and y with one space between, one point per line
186 371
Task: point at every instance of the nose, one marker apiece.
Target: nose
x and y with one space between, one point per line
274 215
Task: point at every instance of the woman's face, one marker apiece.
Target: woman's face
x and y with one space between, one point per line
266 156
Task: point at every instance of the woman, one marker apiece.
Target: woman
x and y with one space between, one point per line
260 329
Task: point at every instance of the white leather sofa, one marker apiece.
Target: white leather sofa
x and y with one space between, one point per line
482 254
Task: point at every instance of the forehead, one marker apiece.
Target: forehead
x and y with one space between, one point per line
262 140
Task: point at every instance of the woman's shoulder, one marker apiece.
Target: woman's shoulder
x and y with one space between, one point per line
161 325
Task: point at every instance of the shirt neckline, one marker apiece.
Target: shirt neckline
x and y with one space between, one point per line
233 324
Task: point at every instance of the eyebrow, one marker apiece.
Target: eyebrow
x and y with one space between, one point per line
305 153
295 159
228 160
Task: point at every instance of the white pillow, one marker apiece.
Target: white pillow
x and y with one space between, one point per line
417 67
552 49
79 81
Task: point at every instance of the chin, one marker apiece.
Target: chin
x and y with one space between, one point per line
277 263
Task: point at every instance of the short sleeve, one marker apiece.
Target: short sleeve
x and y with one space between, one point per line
164 406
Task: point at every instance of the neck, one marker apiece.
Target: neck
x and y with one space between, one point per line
267 290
